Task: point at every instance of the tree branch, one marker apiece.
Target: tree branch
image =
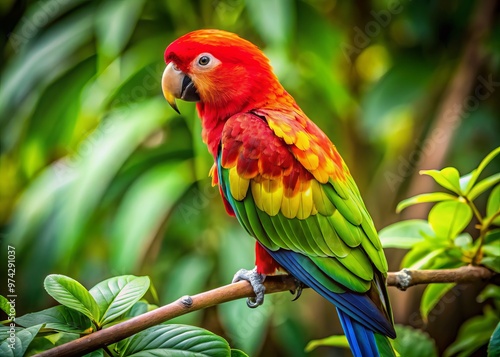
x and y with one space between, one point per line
242 289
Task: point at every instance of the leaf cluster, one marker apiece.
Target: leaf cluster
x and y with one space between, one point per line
82 312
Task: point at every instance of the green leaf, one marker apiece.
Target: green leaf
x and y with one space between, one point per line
489 292
483 185
448 178
421 256
431 296
477 172
5 305
72 294
15 344
176 340
115 296
493 206
449 218
494 345
492 263
238 353
414 343
423 198
333 341
473 334
464 241
405 234
59 318
43 342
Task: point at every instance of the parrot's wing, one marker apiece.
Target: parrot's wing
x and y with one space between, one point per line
290 189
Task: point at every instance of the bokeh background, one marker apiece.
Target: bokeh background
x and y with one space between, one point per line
100 177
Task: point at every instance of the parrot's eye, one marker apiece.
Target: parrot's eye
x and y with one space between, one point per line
204 60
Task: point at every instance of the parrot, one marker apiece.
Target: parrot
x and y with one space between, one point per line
285 182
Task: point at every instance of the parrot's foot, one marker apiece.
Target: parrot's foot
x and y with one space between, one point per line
299 286
256 280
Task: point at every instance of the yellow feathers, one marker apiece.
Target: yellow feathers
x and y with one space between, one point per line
267 195
237 185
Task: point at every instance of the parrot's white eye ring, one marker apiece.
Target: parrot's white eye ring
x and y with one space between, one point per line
205 61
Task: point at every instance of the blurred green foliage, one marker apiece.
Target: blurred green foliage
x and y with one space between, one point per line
99 177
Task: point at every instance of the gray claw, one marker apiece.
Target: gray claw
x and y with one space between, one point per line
298 289
256 280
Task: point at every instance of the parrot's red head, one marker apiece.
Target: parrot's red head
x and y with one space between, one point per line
221 71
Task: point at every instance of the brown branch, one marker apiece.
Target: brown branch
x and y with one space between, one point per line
469 274
274 284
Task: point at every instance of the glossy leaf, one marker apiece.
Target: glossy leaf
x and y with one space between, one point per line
115 296
72 294
59 318
238 353
16 345
334 341
425 197
473 334
449 218
5 304
431 296
414 343
493 206
44 342
477 172
405 234
448 178
421 256
176 340
483 185
494 344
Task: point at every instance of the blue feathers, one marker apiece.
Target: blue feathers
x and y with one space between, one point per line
361 340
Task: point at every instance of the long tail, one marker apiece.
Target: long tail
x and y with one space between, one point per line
364 342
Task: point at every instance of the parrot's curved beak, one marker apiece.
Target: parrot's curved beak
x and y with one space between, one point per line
176 84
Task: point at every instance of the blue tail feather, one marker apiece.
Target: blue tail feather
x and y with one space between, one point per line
366 328
361 340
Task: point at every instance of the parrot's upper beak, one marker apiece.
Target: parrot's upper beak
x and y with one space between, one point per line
176 84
